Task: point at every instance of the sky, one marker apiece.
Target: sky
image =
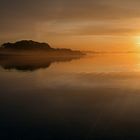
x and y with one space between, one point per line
79 24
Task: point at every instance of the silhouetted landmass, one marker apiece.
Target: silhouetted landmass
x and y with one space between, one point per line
30 55
29 46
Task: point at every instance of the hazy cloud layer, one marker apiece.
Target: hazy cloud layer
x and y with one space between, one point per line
22 18
65 9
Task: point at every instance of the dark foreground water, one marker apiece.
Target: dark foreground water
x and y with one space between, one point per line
96 97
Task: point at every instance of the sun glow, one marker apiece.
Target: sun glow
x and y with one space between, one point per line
137 40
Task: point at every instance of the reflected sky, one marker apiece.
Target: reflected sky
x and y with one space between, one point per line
76 100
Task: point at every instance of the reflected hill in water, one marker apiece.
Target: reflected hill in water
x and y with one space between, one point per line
31 63
30 55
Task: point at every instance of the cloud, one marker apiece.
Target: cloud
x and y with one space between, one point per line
65 9
26 17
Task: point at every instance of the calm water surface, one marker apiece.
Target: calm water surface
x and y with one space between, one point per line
96 97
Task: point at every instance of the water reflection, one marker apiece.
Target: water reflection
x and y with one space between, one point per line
93 98
31 63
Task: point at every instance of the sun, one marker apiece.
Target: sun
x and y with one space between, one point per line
137 40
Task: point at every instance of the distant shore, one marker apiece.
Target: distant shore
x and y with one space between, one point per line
30 55
32 48
39 53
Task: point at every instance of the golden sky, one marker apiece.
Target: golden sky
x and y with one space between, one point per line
103 25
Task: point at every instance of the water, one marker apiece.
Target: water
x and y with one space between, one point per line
93 97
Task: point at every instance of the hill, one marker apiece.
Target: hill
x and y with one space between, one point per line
26 44
29 47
